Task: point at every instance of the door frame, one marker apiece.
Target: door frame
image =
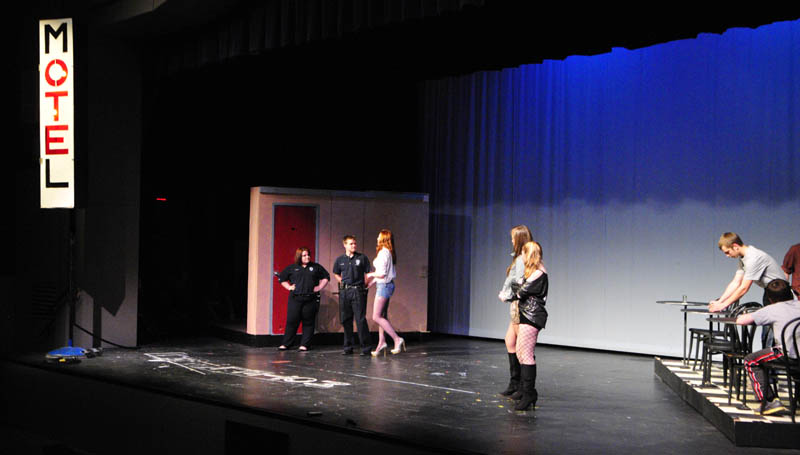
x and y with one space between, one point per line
272 259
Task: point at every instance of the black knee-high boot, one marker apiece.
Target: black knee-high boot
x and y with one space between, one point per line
516 396
528 386
514 368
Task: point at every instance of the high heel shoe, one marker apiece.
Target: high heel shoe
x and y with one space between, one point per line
377 352
399 346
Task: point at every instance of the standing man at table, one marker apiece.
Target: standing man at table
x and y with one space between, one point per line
777 313
791 265
349 269
755 266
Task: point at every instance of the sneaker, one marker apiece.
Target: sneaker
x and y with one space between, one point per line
772 407
347 352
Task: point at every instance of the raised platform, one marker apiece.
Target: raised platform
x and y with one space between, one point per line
739 422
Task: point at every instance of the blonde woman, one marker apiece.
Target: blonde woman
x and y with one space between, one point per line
532 295
383 278
520 235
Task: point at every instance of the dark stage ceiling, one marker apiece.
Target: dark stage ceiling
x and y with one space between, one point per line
423 39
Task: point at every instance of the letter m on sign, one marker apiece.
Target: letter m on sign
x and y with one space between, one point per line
61 30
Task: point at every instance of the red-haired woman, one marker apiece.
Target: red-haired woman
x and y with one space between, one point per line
520 235
383 278
304 280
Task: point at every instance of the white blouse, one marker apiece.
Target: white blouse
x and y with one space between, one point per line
384 266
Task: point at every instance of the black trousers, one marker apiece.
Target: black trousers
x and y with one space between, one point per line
759 374
353 304
300 308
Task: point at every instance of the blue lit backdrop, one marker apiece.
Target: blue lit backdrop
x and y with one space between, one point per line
627 167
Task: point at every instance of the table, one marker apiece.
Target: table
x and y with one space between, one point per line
684 303
685 311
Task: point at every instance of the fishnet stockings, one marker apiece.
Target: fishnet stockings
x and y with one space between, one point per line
526 344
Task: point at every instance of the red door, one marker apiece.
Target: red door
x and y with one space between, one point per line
295 227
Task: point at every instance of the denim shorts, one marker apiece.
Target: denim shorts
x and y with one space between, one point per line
384 290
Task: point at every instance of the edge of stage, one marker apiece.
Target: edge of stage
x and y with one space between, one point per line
206 395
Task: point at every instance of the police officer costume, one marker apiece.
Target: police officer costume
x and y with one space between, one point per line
303 301
353 299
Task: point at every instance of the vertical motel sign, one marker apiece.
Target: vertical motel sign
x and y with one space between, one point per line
56 114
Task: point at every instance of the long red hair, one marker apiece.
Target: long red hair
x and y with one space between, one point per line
386 240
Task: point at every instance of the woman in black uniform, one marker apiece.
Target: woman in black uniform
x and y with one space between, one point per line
532 318
304 280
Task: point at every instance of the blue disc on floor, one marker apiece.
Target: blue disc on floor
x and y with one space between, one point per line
68 354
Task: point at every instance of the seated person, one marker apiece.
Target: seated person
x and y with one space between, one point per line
780 310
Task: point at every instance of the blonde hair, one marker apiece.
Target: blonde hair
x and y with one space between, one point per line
520 235
728 239
532 252
386 240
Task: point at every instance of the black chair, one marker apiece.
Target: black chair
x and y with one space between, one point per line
730 346
790 365
697 337
741 346
700 336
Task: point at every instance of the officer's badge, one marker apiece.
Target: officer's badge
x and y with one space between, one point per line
358 261
311 269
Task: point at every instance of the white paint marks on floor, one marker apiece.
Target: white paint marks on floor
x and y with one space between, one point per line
200 366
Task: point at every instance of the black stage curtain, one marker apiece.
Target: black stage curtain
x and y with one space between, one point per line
261 26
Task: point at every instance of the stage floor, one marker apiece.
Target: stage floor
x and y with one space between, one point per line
439 395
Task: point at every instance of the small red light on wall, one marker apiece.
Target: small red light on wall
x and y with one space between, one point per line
161 199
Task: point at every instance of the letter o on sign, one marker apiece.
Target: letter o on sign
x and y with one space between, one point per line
50 79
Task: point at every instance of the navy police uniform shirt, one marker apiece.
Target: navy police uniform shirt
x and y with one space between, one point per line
305 279
352 269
